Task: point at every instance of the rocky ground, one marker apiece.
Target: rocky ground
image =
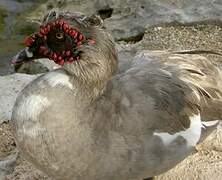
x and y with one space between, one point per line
137 25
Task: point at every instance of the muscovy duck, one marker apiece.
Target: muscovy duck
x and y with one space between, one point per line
87 121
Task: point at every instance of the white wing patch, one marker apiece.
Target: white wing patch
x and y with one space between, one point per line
31 107
28 111
206 124
58 79
192 134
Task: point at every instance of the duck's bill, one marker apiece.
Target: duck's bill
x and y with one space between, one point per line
23 56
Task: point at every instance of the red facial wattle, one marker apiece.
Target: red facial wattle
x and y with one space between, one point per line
67 55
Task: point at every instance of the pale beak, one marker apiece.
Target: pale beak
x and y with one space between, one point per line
23 56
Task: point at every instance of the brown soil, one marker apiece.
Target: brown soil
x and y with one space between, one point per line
25 171
7 144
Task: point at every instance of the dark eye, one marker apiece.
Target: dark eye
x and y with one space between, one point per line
60 35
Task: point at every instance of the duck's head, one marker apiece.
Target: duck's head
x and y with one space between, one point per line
76 42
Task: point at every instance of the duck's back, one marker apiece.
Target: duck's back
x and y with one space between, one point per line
171 102
160 108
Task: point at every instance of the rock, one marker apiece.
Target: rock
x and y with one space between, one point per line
2 117
36 67
11 85
3 14
7 165
128 19
13 8
131 18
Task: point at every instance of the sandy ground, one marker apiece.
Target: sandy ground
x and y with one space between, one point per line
7 144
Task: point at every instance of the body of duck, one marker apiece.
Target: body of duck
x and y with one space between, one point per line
84 121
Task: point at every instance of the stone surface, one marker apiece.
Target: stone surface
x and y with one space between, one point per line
128 19
11 85
7 165
131 18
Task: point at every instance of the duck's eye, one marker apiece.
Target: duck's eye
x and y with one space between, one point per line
59 36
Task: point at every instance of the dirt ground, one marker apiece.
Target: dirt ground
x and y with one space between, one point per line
7 144
205 164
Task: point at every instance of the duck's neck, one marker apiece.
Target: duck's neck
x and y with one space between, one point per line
96 65
87 91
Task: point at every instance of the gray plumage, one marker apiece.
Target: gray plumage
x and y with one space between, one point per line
86 121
